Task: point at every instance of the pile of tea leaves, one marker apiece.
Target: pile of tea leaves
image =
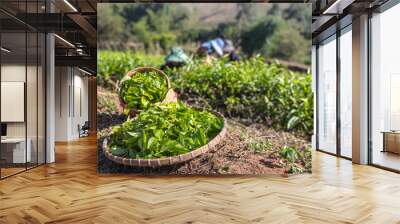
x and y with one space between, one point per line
165 129
142 90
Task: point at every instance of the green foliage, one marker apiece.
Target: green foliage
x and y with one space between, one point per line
166 129
295 169
256 36
289 154
288 44
306 157
292 155
300 16
113 66
260 146
111 25
142 90
255 28
250 89
247 89
152 25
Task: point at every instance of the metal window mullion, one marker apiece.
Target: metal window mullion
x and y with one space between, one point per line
60 88
37 91
72 93
338 98
369 90
317 97
69 92
45 87
26 87
0 91
45 95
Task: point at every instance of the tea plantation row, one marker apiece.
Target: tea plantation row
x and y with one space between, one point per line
247 89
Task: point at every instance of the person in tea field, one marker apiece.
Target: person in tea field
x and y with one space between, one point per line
175 59
230 51
219 47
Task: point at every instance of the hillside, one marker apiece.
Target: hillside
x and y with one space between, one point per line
275 31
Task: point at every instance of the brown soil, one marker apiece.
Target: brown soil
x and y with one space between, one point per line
108 102
235 156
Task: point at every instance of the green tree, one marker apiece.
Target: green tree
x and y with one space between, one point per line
287 44
300 15
254 28
142 34
110 25
254 39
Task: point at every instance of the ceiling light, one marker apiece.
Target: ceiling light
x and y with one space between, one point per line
5 50
337 7
70 5
331 7
65 41
84 71
80 51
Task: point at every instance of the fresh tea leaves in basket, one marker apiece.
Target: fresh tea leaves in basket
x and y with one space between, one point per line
142 90
165 129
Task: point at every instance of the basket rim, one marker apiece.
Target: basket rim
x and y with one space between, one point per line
142 70
170 160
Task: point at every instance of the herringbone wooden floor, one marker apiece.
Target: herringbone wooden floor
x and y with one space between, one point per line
70 191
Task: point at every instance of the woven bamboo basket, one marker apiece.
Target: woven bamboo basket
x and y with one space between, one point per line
167 161
171 96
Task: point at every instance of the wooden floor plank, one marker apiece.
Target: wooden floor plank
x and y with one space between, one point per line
71 191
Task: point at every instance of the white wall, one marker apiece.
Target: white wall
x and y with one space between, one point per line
80 96
71 94
62 81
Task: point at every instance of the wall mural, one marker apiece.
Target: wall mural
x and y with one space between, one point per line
204 89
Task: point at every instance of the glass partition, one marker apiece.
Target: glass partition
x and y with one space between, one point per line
385 89
346 92
22 88
327 95
13 94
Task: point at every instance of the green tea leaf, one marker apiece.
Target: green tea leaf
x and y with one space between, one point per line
166 129
143 89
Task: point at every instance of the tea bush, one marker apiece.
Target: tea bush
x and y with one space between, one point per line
113 65
247 89
250 89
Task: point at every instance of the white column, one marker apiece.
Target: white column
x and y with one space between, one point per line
360 90
314 89
50 94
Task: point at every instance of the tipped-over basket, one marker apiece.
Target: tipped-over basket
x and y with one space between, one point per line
167 161
171 96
